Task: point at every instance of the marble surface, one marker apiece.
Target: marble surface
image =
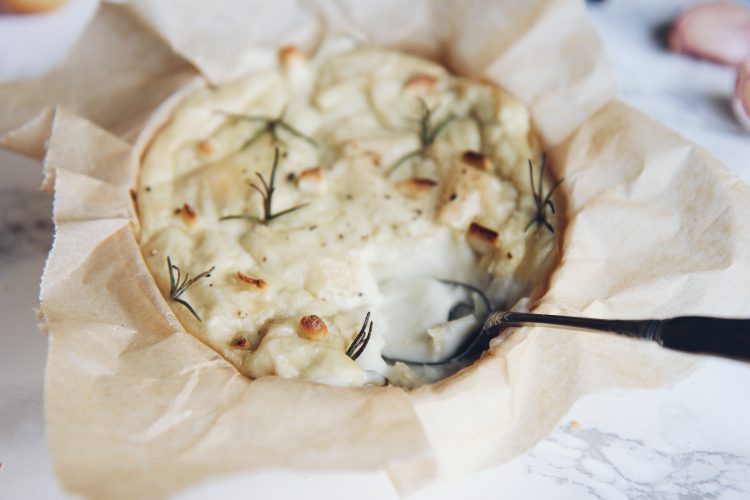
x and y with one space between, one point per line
688 441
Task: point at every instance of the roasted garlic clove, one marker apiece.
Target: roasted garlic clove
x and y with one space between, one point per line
312 327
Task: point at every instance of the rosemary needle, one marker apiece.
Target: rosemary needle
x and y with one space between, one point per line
270 126
357 347
541 201
266 189
178 285
427 135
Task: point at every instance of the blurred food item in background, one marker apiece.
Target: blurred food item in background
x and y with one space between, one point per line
29 6
741 101
32 45
718 31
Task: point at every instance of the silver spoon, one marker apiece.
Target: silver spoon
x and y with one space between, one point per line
725 337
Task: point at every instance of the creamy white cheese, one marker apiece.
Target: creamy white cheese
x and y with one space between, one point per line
368 237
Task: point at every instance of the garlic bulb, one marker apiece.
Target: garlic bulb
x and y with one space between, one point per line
741 101
717 31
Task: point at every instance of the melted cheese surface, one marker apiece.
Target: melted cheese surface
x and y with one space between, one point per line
368 236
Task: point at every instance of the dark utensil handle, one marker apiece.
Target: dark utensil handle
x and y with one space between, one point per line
699 334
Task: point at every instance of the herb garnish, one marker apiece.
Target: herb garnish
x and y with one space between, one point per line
270 126
359 343
178 286
266 190
540 200
427 135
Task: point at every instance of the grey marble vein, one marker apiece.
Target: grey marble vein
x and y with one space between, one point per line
602 464
25 223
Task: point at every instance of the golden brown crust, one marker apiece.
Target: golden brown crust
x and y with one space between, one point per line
310 180
186 212
289 53
377 159
477 160
312 327
482 239
240 343
256 282
416 186
205 148
421 83
311 174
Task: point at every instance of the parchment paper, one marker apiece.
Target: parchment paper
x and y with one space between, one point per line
136 407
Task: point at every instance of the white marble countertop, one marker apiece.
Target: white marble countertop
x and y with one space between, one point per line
688 441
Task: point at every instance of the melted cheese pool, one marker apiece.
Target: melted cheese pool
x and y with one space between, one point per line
390 174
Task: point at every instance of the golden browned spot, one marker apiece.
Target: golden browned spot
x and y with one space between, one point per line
421 82
240 343
312 328
482 239
290 52
416 186
311 174
205 148
187 213
377 159
133 195
310 180
476 160
256 282
575 425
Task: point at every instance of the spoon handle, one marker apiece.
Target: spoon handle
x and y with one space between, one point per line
719 336
697 334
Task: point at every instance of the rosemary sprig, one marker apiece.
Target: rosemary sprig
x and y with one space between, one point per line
178 285
357 347
428 132
540 200
270 126
266 190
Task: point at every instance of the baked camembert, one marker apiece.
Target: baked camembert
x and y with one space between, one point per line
300 220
